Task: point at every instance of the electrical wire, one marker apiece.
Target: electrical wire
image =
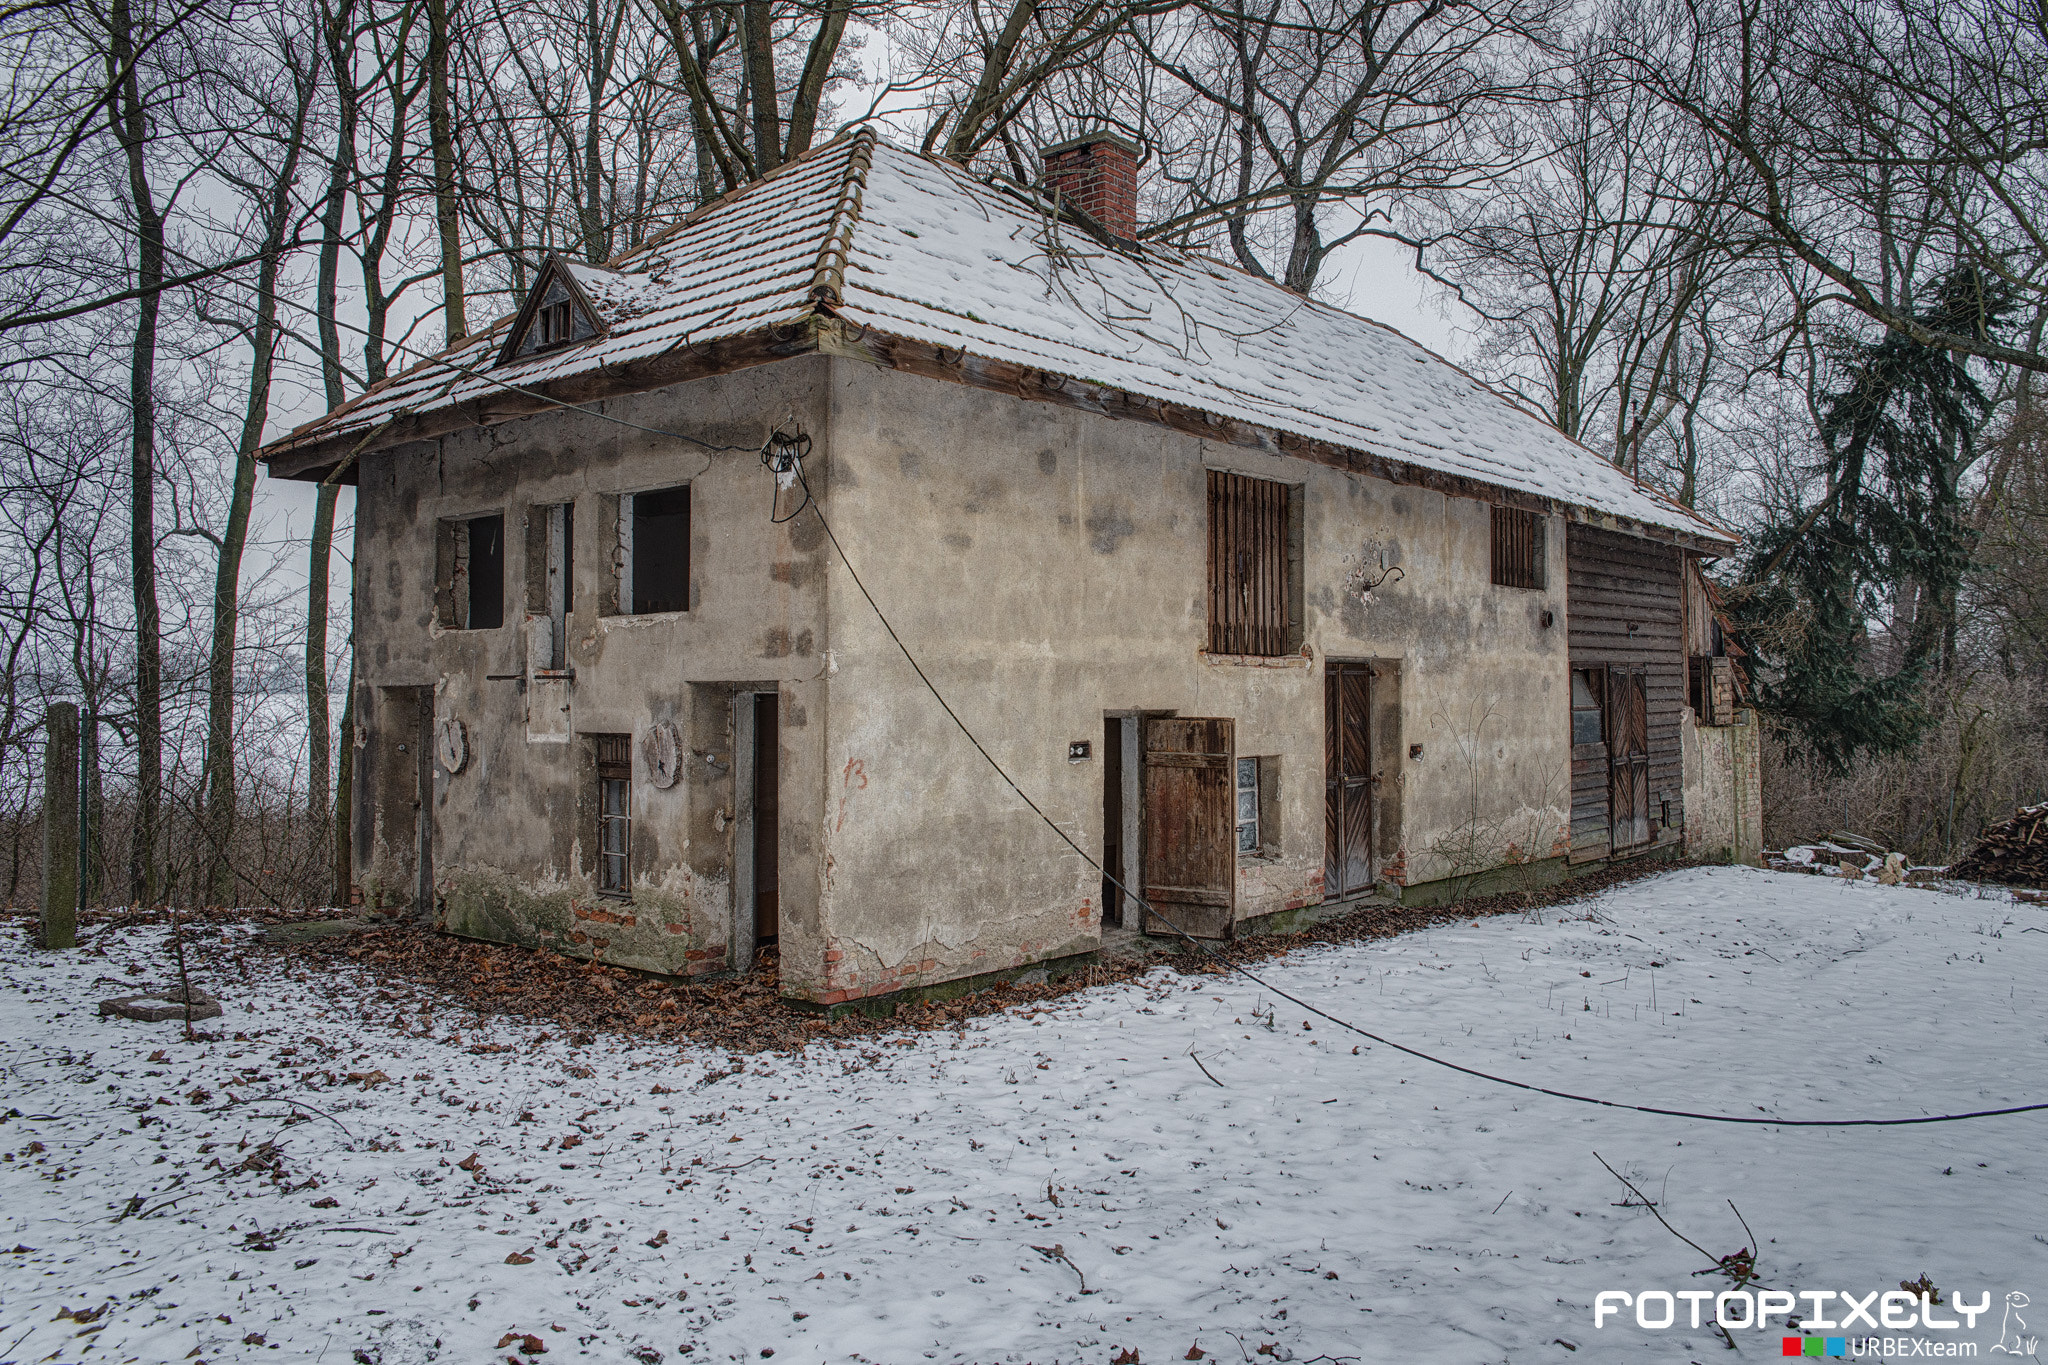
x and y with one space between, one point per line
1228 965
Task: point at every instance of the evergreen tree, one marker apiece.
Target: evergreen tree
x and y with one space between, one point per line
1894 441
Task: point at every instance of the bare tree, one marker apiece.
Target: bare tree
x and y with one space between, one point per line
1834 111
1289 110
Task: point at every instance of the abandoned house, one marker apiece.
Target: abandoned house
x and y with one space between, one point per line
1266 606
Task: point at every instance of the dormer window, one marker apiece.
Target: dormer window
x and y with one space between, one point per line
556 313
554 325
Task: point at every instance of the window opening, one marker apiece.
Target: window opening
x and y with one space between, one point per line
659 550
1247 805
1517 548
1249 581
555 323
614 814
550 582
1586 722
470 574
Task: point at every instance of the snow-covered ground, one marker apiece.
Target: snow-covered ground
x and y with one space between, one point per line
943 1196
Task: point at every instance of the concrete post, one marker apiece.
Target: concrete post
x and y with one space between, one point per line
58 927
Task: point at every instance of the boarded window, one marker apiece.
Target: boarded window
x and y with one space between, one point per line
469 573
614 814
1249 557
658 550
1517 548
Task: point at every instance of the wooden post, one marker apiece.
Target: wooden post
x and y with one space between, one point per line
59 924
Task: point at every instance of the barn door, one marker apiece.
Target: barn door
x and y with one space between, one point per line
1628 747
1190 832
1347 781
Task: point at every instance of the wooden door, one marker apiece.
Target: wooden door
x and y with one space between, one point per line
1628 756
1347 780
767 797
1190 830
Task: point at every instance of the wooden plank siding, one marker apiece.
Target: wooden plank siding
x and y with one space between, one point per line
1625 607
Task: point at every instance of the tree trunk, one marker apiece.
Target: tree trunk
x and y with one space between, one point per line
344 794
441 132
320 547
227 578
758 42
131 129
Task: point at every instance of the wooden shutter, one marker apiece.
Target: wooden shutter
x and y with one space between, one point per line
1190 830
1517 548
1247 565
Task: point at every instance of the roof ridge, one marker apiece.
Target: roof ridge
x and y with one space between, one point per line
828 279
709 206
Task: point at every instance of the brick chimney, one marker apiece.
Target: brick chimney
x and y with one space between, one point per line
1097 174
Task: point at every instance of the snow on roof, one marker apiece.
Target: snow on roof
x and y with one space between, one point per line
915 247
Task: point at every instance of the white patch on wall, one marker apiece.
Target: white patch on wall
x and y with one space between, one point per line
1374 565
451 745
662 751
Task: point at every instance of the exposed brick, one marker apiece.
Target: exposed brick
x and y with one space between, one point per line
1098 174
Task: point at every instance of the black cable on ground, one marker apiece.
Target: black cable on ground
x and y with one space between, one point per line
789 464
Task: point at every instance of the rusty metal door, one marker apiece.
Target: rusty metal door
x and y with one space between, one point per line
1190 829
1347 780
1628 750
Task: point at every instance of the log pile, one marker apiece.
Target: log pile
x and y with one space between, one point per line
2014 852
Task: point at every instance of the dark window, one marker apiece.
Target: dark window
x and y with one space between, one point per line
486 573
1517 548
554 324
661 550
1249 556
469 574
1586 724
614 814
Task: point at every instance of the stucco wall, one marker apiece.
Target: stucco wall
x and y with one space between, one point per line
514 831
1048 566
1724 790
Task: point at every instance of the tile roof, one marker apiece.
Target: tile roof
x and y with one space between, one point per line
913 246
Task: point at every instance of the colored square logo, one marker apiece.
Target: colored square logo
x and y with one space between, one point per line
1792 1346
1838 1346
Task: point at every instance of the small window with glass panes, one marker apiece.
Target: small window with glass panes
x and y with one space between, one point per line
1247 805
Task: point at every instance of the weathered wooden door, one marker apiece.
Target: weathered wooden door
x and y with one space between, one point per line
1190 832
1628 750
1347 780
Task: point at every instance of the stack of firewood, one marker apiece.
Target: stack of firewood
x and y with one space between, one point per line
2015 852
